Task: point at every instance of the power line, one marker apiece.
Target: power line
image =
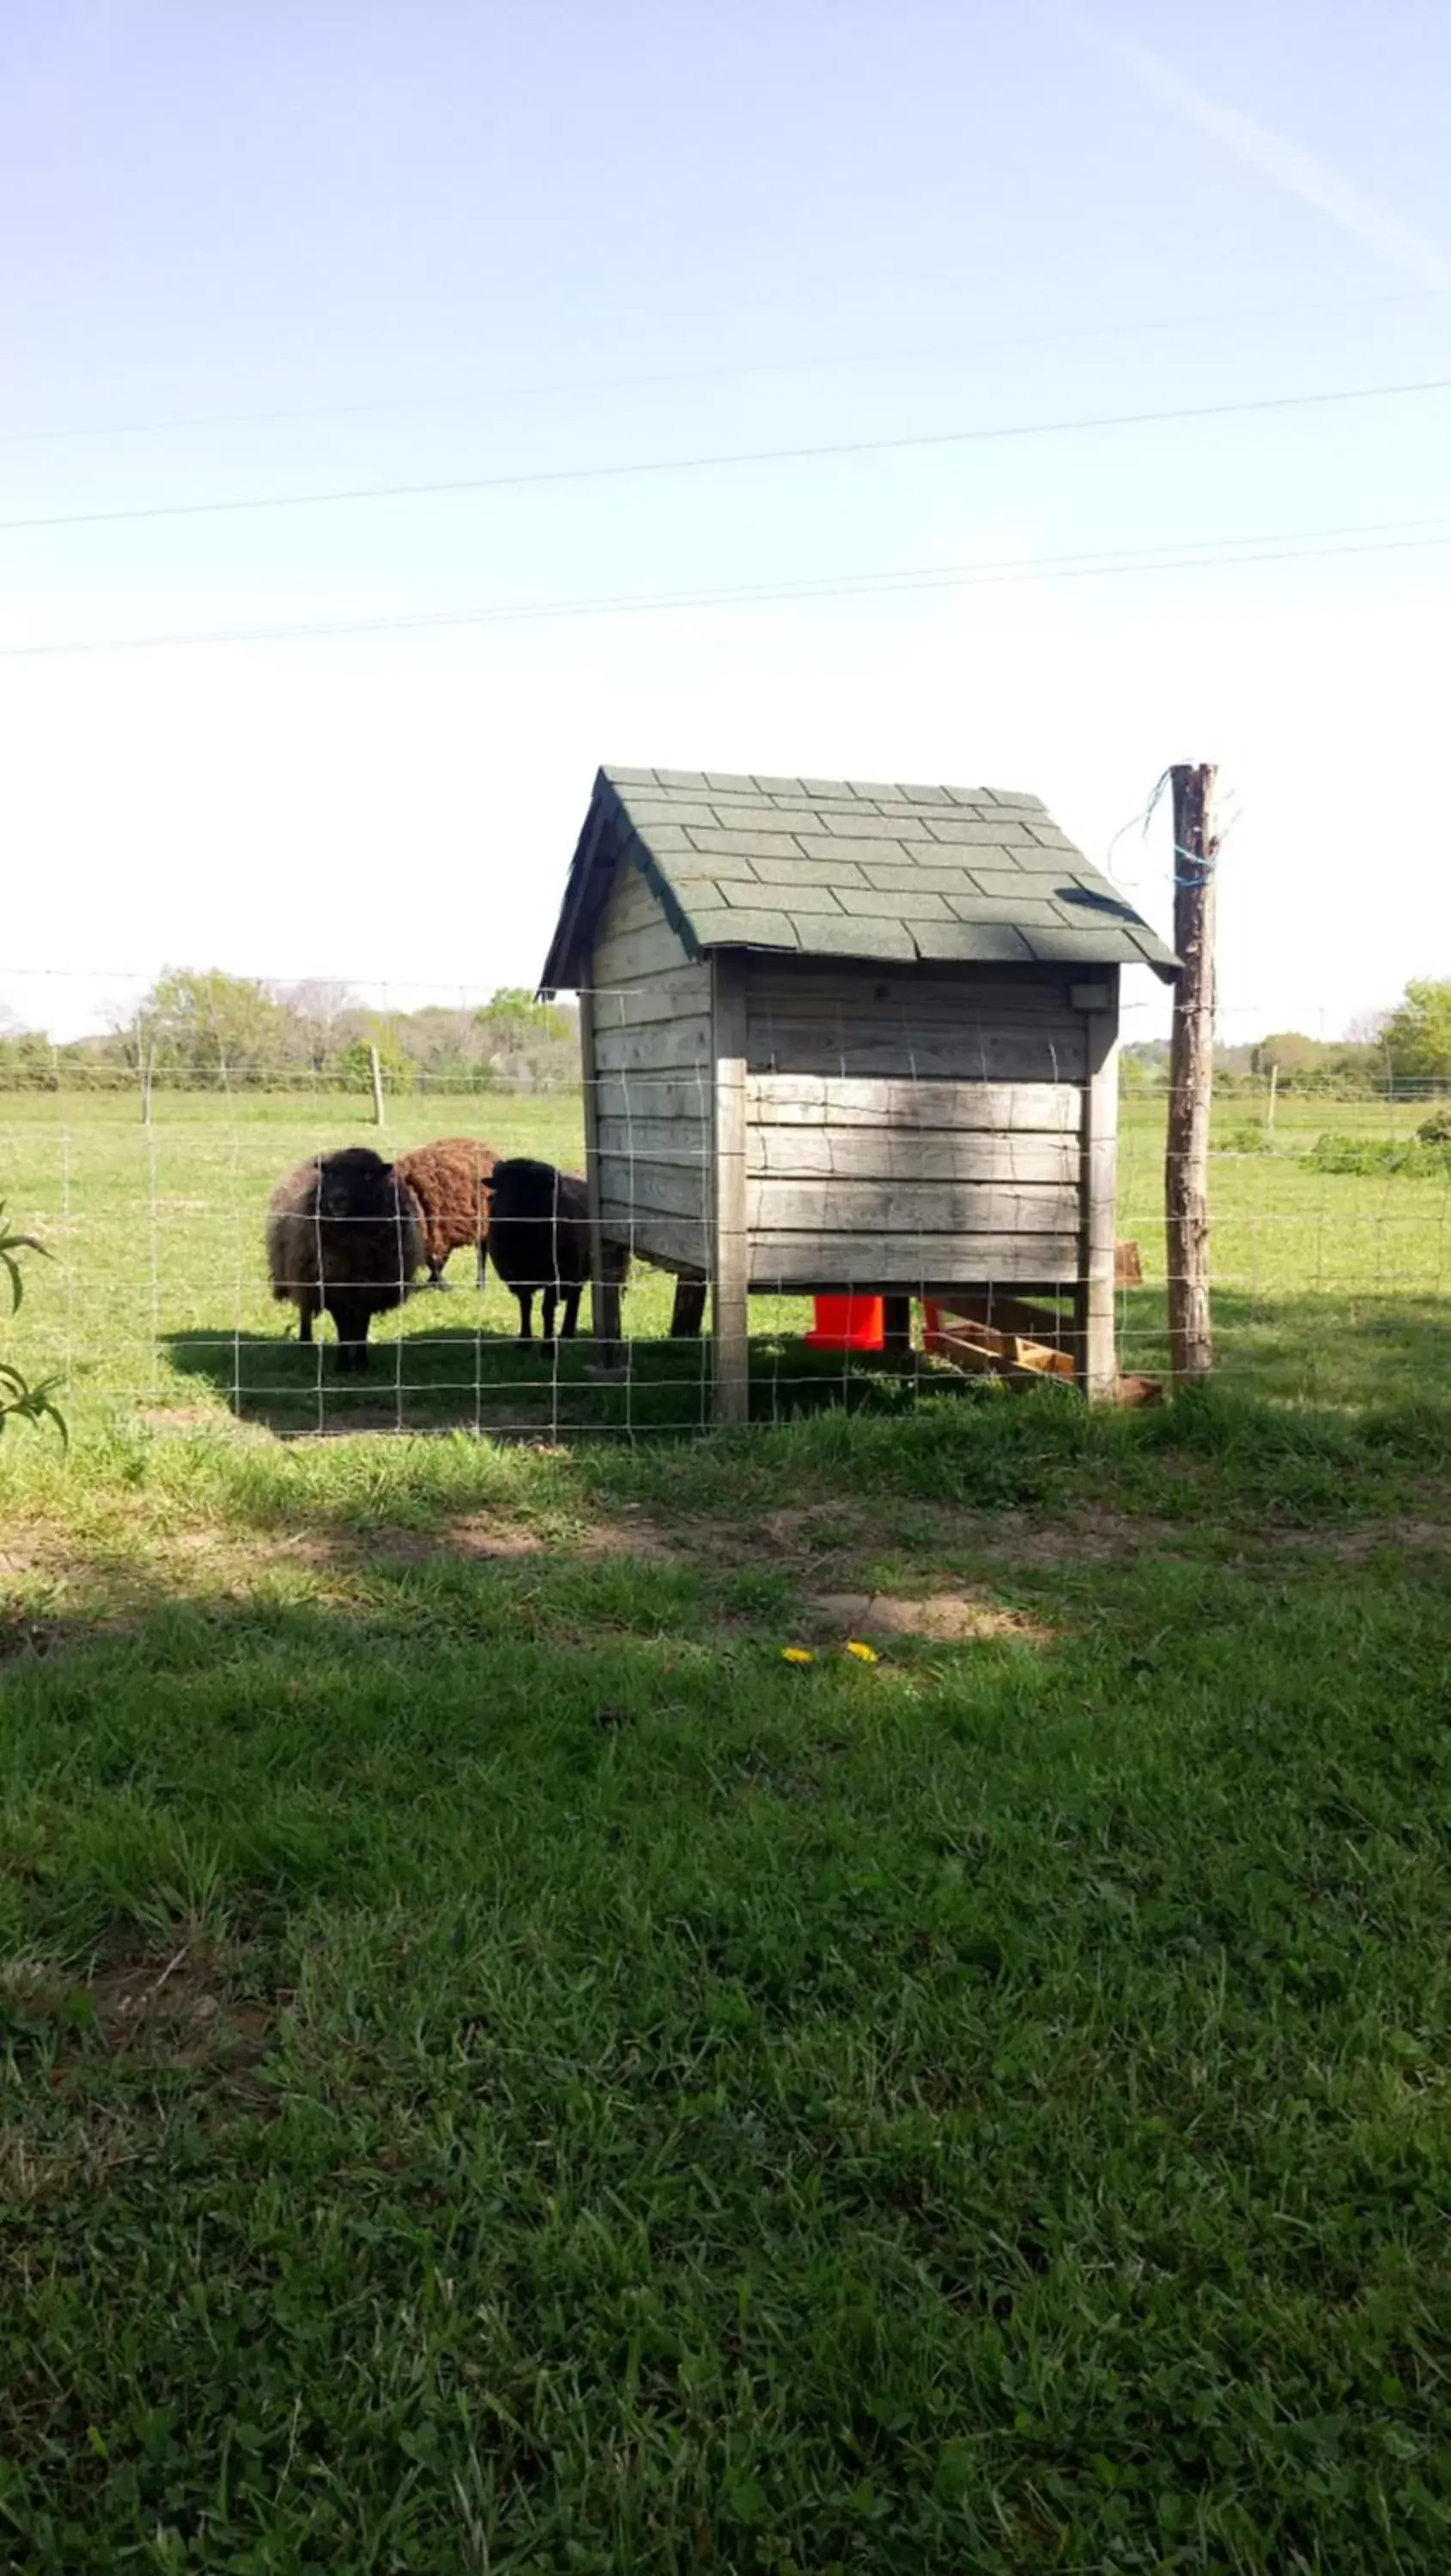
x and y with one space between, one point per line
539 392
1189 554
731 457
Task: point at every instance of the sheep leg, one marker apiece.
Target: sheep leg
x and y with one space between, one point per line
436 1278
571 1312
305 1314
526 1313
550 1301
352 1319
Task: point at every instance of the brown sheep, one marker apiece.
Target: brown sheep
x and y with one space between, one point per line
344 1238
448 1180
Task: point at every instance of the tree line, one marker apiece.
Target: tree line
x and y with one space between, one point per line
206 1031
1410 1045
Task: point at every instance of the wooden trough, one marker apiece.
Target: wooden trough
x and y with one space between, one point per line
849 1038
998 1336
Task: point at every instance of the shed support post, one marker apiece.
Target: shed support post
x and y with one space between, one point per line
896 1327
1096 1355
604 1294
730 1297
688 1312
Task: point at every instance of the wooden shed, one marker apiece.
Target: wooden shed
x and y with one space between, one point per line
849 1036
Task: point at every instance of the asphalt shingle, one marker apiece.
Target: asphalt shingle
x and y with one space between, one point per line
834 868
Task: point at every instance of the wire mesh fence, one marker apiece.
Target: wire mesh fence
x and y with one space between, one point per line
1331 1245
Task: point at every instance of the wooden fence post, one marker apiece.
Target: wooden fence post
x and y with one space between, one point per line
376 1070
1191 1074
1270 1103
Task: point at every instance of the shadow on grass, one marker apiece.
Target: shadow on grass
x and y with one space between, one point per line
1327 1347
457 1380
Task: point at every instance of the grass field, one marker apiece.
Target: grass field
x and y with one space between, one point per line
502 2071
1328 1287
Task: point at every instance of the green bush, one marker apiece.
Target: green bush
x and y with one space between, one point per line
1436 1129
1373 1158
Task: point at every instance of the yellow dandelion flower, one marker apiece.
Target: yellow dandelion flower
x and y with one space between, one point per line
864 1653
797 1655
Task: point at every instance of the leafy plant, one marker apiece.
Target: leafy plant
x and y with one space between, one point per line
1436 1130
19 1400
1373 1157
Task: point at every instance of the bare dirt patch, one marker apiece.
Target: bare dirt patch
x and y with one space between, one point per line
940 1618
1355 1546
178 2007
21 1557
490 1540
1104 1538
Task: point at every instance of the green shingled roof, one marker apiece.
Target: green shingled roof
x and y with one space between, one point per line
820 868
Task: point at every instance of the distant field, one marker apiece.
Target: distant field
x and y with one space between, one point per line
1327 1287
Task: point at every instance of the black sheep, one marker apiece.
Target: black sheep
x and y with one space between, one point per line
344 1238
539 1239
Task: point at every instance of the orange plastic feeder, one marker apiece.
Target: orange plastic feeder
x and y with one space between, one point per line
848 1324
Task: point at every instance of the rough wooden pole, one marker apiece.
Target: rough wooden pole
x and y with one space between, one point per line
1191 1074
376 1070
1270 1103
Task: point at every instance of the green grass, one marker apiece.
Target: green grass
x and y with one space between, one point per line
499 2071
503 2072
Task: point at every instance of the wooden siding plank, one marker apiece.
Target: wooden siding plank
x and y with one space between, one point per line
836 1101
663 1047
682 1100
947 989
671 1241
929 1012
805 1264
880 1208
1054 1053
888 1154
663 1140
622 956
647 998
662 1188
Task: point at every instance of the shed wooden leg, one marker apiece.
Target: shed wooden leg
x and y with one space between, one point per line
605 1315
688 1312
897 1327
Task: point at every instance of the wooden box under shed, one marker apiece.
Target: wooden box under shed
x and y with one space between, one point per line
844 1036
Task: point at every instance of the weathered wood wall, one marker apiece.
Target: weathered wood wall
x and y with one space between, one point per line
910 1130
653 1088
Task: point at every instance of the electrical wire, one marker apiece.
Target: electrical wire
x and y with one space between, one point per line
1287 546
817 453
594 384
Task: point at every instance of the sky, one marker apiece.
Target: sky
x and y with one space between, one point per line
567 256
